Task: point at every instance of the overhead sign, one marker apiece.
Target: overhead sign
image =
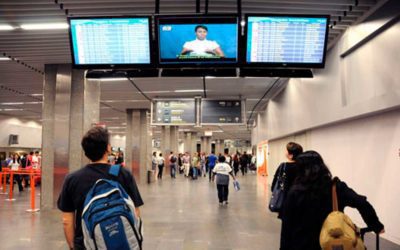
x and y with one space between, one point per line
221 112
174 112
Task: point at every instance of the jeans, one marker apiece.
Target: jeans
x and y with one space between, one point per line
173 170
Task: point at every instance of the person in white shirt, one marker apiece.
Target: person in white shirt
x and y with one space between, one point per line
160 161
186 163
201 46
222 170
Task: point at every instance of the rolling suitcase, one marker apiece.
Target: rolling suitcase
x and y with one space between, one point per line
363 231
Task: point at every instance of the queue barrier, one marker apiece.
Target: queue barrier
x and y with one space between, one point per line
32 174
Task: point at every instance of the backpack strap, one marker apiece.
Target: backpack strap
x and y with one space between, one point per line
335 206
114 170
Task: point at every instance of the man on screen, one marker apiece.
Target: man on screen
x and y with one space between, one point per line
201 47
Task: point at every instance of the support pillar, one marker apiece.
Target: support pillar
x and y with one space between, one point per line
188 142
174 139
165 141
69 102
136 143
49 98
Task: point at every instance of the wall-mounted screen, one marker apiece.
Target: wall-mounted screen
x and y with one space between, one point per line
197 40
285 41
110 42
174 112
221 112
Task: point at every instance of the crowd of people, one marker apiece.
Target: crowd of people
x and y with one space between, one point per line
200 164
17 161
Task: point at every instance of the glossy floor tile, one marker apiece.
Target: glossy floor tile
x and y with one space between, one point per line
178 214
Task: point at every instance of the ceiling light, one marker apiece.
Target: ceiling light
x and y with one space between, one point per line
4 58
188 90
11 109
6 27
11 103
109 79
44 26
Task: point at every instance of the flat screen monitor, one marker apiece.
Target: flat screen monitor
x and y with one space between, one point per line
286 41
221 112
197 40
110 42
173 112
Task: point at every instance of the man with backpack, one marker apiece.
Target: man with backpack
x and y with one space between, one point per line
118 206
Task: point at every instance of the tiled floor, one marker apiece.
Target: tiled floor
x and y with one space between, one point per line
178 214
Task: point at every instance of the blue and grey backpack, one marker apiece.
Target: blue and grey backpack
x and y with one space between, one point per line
108 218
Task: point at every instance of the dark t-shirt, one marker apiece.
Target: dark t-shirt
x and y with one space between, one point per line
78 184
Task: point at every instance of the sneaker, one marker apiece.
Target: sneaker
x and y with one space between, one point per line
226 202
221 203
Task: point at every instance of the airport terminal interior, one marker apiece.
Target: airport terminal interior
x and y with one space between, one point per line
178 84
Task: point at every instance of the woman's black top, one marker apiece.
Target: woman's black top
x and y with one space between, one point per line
304 213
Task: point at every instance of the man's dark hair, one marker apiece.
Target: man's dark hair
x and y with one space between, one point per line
36 152
95 142
200 27
221 158
212 152
294 149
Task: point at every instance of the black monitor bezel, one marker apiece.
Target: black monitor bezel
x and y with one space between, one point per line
200 64
282 64
113 66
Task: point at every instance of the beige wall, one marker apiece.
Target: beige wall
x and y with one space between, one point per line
350 113
29 132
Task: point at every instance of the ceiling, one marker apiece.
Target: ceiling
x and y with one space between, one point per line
21 77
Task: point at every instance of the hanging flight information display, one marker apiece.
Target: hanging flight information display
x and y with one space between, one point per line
174 112
110 41
221 112
286 40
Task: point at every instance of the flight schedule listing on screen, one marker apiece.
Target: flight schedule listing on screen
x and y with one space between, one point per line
286 39
110 41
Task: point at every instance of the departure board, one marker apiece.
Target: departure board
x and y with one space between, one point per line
279 39
221 111
110 41
174 112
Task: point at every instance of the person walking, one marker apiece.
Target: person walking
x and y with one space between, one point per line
222 171
160 162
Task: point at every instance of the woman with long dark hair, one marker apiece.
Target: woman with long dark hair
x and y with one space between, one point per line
309 201
287 170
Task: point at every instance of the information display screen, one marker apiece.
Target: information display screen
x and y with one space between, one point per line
110 41
285 40
221 111
177 112
197 40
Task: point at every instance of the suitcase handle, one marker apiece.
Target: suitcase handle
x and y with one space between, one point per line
365 230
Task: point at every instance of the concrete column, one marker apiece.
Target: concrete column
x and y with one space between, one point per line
69 102
218 147
174 139
144 152
193 143
208 145
188 142
61 127
136 143
76 154
49 90
85 111
165 141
